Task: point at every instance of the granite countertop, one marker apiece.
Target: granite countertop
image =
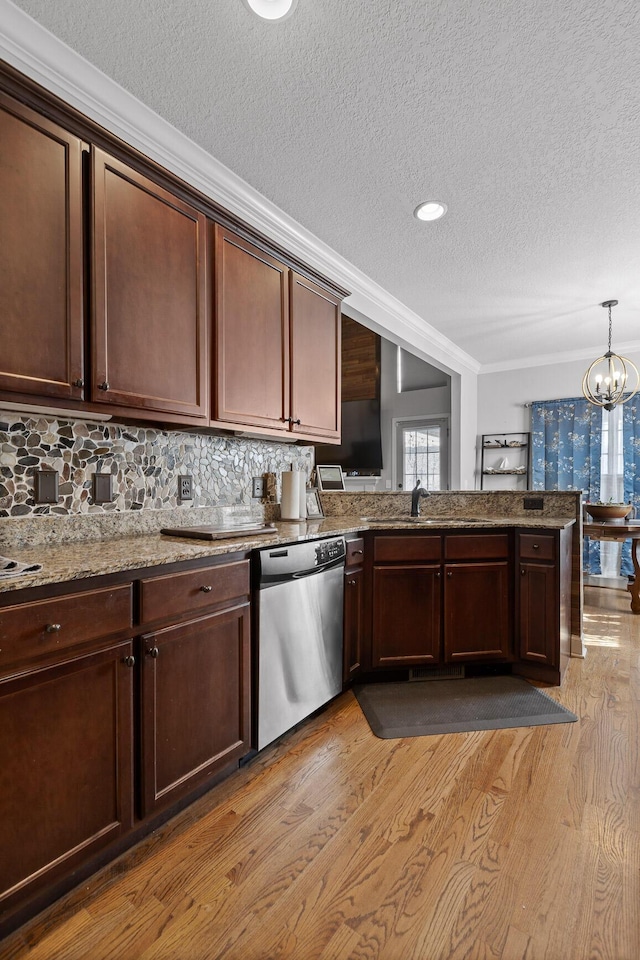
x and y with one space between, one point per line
90 558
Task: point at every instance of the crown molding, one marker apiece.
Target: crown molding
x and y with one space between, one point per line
36 52
548 359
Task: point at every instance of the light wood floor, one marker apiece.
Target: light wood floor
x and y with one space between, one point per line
518 844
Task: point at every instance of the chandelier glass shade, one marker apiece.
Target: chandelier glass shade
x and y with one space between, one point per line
611 379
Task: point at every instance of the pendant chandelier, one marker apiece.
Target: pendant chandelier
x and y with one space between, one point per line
610 379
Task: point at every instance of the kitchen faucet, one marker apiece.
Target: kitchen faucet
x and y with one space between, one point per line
416 493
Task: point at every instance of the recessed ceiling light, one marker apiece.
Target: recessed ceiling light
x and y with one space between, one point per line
430 210
271 9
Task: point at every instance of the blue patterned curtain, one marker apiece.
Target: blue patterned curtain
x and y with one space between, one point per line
631 455
565 448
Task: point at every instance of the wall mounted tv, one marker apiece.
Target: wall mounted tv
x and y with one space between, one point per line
361 447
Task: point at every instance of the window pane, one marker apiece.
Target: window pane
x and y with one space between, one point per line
421 457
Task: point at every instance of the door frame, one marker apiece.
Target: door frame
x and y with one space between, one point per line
397 424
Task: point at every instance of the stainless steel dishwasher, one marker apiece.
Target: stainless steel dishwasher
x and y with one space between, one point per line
299 632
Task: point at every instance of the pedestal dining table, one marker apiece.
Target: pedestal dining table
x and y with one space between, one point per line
614 530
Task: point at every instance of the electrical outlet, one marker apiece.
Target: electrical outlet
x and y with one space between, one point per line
533 503
46 486
257 487
185 487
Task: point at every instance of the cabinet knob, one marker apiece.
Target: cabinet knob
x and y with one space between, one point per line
78 383
352 583
297 422
105 385
449 573
129 661
153 653
522 572
437 574
52 627
205 588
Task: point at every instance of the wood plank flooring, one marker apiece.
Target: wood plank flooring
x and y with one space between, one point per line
519 844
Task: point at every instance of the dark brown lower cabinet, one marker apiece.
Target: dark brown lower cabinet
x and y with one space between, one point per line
477 611
196 690
543 581
406 615
75 755
66 766
538 613
353 584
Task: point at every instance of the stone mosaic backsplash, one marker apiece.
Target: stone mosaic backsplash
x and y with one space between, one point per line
145 463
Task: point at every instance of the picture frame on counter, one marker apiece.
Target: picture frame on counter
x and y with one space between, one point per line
314 505
329 477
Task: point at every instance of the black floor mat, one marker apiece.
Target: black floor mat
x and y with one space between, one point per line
429 707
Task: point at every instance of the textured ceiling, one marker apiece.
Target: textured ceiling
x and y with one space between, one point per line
523 117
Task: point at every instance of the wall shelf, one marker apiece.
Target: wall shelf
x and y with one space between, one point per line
494 447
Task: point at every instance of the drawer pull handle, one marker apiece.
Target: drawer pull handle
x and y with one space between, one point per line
129 661
536 546
206 588
153 653
52 627
354 552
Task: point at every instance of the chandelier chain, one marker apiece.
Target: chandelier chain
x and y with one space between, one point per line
609 328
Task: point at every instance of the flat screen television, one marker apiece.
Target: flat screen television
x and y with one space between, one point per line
361 447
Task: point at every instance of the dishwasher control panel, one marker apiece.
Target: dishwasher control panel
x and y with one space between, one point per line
278 564
328 550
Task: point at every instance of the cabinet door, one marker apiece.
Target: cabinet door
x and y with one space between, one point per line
539 617
406 615
477 611
315 360
41 261
252 335
149 318
196 690
353 582
66 767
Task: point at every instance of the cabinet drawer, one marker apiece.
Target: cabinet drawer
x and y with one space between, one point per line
484 546
534 547
179 593
387 549
355 552
45 626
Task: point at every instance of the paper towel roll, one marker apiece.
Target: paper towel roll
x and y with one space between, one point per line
290 502
303 495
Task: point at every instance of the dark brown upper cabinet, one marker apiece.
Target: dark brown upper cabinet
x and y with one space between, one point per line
41 260
252 335
277 357
149 304
315 360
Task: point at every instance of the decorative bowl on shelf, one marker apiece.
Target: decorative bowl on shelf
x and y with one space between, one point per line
608 511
